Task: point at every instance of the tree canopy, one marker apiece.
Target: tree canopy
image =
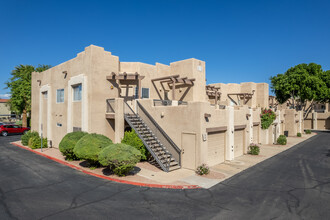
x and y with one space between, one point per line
20 88
303 82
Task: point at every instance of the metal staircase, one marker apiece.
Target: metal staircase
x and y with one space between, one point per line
160 146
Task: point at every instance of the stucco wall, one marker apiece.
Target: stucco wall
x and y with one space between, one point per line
4 109
259 98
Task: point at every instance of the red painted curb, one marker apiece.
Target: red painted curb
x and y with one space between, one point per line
109 178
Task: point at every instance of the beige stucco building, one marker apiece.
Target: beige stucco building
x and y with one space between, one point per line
182 121
4 109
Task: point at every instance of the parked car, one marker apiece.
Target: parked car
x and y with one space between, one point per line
12 129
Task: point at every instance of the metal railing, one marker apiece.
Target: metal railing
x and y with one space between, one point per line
182 103
159 102
222 107
159 133
110 105
129 112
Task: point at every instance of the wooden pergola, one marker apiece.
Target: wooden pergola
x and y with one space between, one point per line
173 82
128 78
213 91
241 96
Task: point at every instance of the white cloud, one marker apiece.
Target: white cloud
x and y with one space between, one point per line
4 96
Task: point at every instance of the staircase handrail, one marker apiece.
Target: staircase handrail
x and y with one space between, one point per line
165 166
168 139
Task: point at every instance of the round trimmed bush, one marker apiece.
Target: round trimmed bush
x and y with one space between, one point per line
68 143
35 142
26 137
89 147
281 140
121 158
298 134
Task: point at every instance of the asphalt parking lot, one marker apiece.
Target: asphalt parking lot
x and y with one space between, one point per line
294 184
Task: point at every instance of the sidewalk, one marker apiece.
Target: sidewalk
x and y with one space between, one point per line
148 175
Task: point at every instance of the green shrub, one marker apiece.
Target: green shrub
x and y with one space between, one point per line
254 149
89 147
19 122
131 138
203 169
267 117
26 137
68 142
121 158
281 140
298 134
308 131
35 142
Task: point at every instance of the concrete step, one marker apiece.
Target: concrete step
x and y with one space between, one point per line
174 168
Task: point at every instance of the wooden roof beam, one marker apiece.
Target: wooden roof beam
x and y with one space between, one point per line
166 77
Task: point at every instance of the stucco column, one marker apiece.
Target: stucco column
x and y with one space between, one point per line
267 134
300 122
46 88
119 120
249 129
279 125
80 79
314 117
230 133
250 126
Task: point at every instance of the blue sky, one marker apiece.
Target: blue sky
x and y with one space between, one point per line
240 41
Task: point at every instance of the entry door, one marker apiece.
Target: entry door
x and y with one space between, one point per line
188 141
239 142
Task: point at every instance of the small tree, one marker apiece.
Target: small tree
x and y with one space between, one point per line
20 89
302 83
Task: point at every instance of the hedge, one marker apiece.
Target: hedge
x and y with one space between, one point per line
26 137
131 138
68 143
89 147
281 140
121 158
35 142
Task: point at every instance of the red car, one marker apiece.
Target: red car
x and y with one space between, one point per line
12 129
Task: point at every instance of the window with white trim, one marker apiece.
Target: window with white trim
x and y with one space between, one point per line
60 96
77 92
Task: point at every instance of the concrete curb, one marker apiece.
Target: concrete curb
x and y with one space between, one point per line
109 178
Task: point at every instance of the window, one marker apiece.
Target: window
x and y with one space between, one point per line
60 96
77 92
136 93
145 93
45 94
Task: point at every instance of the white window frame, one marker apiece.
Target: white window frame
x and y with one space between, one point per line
57 93
73 92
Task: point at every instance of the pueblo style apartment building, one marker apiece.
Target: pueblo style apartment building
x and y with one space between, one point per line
182 121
